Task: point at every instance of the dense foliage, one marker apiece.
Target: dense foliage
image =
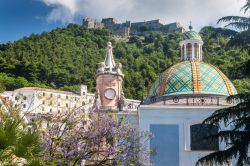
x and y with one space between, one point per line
67 57
19 144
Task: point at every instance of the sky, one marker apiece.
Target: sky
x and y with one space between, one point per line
19 18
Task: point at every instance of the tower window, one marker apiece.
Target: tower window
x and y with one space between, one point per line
50 110
83 103
51 95
199 132
24 105
67 105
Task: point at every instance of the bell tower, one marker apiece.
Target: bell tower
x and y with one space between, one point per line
191 46
109 77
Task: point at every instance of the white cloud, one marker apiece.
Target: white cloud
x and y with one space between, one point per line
200 12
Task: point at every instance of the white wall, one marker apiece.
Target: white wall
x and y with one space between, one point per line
183 116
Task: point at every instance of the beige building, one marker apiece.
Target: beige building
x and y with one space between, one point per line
36 100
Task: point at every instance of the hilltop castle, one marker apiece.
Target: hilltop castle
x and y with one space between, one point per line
133 28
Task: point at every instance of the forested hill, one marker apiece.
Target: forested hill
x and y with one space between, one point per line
67 57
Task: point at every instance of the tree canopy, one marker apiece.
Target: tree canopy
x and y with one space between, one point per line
67 57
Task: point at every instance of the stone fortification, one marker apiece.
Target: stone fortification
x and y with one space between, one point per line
133 28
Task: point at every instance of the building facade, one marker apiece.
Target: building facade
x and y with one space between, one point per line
180 99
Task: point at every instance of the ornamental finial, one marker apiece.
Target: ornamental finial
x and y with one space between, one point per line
190 26
109 60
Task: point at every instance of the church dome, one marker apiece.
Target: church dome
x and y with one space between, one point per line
191 35
192 77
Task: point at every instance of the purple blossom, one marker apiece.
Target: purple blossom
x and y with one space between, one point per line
67 140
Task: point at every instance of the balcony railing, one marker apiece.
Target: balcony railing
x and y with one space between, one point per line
196 100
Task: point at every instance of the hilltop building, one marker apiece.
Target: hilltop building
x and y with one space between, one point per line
133 28
180 99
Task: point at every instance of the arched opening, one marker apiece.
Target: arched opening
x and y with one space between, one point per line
83 103
182 52
196 51
189 51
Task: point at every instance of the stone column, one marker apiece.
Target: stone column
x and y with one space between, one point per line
201 53
185 52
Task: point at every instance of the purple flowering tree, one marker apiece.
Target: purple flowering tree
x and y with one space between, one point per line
92 138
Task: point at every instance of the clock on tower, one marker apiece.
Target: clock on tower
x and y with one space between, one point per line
109 79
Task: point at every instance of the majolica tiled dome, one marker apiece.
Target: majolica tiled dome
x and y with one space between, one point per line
192 77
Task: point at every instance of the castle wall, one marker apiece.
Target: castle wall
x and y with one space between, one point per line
137 28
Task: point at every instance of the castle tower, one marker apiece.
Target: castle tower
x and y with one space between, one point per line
109 77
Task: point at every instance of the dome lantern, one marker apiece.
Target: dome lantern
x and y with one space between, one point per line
191 46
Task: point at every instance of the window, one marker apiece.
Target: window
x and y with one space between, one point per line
24 98
83 103
59 96
24 105
43 94
43 102
50 110
50 102
67 105
83 93
67 97
58 104
198 132
51 95
43 109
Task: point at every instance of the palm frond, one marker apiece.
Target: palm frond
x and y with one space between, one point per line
246 7
239 22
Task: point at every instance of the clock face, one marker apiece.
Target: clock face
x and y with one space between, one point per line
110 93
